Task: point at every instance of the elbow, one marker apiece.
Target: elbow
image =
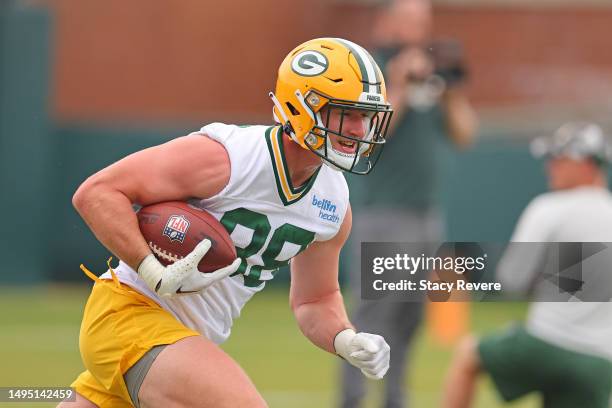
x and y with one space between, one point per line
78 199
465 135
84 195
294 304
300 308
461 123
301 316
321 301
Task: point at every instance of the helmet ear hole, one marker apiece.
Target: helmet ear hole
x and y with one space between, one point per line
292 109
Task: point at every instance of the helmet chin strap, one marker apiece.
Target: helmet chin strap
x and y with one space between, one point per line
370 136
340 161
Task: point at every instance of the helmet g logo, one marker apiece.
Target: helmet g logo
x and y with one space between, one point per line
309 63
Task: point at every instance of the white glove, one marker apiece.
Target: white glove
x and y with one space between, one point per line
368 352
183 275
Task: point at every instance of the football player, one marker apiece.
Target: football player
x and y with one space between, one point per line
280 193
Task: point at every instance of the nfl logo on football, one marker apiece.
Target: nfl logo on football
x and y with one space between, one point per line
176 228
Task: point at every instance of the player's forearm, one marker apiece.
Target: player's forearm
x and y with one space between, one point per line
110 216
322 319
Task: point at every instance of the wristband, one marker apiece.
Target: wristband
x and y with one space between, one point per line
150 271
341 342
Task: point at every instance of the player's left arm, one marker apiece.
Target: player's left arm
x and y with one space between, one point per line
318 307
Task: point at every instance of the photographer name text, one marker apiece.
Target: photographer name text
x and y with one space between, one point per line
427 285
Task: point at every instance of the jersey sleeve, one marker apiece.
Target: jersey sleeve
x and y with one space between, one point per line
537 222
217 131
247 151
525 256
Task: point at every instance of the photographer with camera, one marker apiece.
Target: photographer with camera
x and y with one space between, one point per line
399 200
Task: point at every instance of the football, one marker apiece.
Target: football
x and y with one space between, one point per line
174 228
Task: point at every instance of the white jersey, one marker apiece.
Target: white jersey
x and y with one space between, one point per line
577 215
269 220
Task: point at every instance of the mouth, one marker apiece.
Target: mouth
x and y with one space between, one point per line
346 146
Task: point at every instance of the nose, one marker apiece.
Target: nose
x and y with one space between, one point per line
354 126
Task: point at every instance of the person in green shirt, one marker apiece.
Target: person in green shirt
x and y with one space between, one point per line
398 202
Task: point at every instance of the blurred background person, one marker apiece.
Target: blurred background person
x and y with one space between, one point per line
563 350
399 202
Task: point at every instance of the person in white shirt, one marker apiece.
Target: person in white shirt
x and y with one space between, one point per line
564 349
280 193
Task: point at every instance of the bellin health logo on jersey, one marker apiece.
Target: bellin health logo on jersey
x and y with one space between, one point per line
327 209
176 228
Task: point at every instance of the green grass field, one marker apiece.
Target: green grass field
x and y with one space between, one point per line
39 347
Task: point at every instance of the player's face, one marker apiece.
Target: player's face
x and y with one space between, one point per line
351 122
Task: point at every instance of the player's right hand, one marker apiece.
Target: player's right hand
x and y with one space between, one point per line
182 276
368 352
